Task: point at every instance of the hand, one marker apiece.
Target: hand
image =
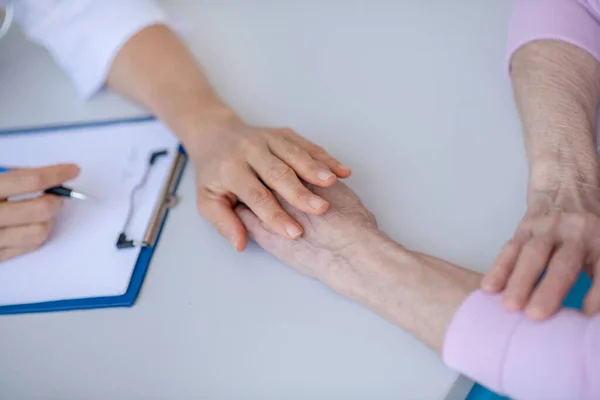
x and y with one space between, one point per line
561 233
25 225
235 163
329 240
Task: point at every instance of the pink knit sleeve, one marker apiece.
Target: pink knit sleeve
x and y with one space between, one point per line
554 359
572 21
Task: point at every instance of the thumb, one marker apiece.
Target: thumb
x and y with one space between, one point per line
218 211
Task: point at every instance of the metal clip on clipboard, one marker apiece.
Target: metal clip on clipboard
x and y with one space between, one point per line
167 197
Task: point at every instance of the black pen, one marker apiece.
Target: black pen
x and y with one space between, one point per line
61 191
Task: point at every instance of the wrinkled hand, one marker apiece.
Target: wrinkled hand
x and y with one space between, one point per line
559 234
328 240
239 163
25 225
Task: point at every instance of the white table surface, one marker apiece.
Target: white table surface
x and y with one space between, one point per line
412 95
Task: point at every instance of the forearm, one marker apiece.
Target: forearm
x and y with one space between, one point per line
439 304
155 69
417 292
556 88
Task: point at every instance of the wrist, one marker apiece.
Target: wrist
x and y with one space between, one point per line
360 268
580 171
197 120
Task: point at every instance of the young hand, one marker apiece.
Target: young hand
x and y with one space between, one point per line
235 162
25 225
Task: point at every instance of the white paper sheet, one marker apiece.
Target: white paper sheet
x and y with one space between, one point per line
80 259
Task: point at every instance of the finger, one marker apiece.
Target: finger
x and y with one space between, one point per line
25 235
532 260
41 209
258 230
318 153
218 210
33 180
282 179
495 280
263 203
591 304
301 162
12 252
562 273
266 238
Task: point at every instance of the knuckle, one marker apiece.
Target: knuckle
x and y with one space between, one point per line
293 150
566 273
319 152
539 244
230 165
280 216
33 181
301 193
287 131
259 196
278 172
334 216
563 267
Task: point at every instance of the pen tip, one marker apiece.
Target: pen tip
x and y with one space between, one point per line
79 196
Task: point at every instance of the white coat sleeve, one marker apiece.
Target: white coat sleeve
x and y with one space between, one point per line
84 36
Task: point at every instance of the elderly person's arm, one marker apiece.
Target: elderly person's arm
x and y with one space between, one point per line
438 303
129 47
554 47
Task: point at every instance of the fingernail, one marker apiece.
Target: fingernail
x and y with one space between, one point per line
325 175
535 313
511 304
316 203
342 166
489 286
293 230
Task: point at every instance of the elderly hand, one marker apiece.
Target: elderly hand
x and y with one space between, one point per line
237 162
559 234
329 240
25 225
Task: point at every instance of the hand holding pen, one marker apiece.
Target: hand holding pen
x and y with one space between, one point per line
26 224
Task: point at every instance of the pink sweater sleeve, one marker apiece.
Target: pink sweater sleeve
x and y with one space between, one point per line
573 21
554 359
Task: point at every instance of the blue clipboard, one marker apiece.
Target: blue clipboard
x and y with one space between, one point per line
143 261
